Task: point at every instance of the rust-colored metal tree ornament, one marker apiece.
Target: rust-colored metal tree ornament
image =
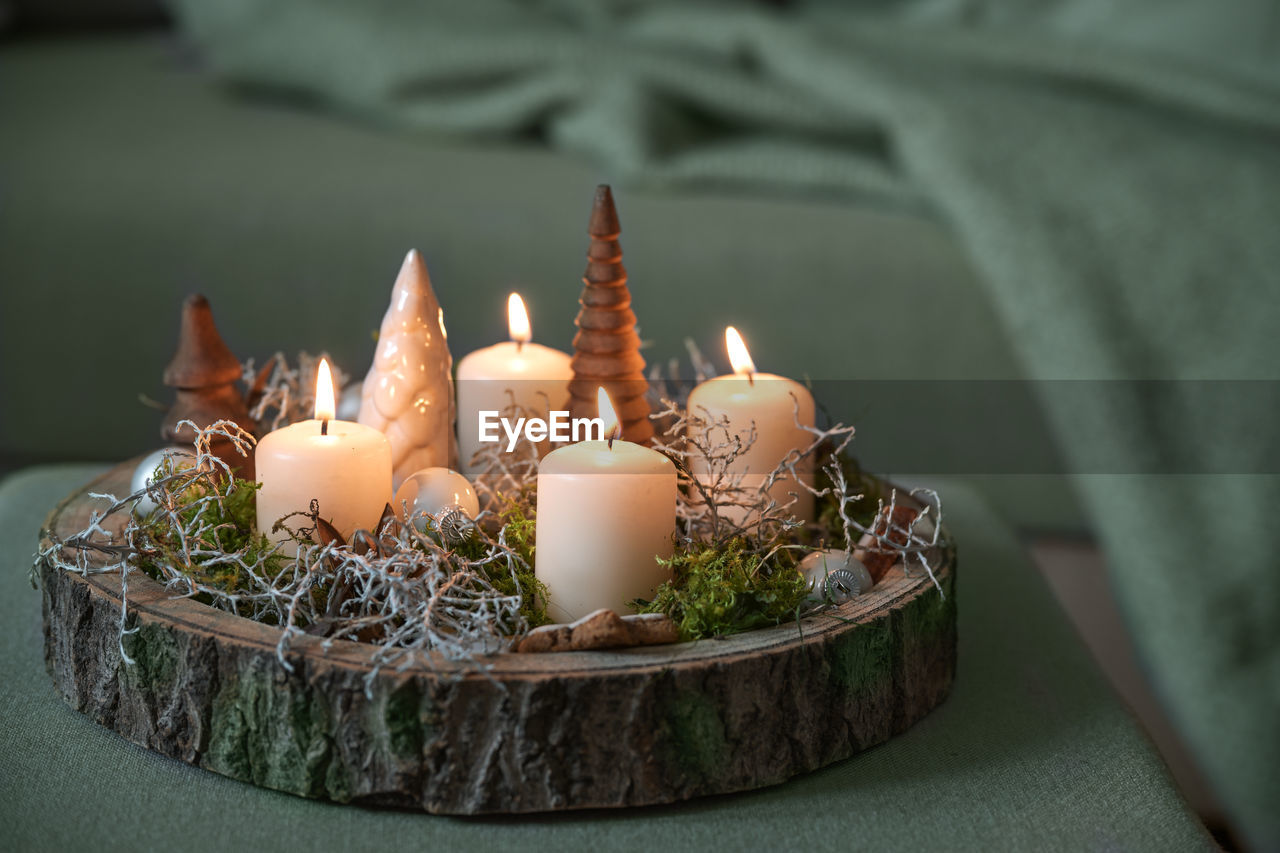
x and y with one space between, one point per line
606 349
205 375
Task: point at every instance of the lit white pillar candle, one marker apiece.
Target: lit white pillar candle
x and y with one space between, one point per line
344 466
537 378
606 512
775 404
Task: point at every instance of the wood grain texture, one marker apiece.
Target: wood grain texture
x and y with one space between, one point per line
204 375
539 732
606 349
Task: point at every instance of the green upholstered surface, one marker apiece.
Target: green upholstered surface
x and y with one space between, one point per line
128 180
1031 751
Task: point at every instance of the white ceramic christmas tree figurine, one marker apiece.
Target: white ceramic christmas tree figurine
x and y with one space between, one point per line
408 393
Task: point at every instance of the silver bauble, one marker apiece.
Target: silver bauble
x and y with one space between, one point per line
142 475
434 491
834 575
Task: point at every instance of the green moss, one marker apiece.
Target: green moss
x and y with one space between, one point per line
233 525
230 727
337 782
517 521
715 591
155 652
520 526
403 717
863 655
936 613
272 735
697 739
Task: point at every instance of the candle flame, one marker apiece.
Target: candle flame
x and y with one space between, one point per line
518 320
605 408
325 408
738 355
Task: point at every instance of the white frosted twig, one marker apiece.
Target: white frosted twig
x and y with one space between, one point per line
419 589
279 394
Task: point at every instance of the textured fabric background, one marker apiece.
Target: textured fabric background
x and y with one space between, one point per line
1031 751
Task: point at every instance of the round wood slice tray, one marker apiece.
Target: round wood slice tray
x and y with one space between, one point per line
537 732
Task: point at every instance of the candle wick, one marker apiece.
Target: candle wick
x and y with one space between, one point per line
519 346
324 427
751 378
611 441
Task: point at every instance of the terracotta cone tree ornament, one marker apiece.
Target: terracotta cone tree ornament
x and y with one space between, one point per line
408 393
606 349
205 375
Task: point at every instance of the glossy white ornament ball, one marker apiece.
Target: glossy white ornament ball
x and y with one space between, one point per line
843 576
147 468
432 490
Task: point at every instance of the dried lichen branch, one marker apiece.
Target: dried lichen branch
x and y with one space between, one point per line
209 483
420 587
417 594
915 543
764 524
507 477
279 395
